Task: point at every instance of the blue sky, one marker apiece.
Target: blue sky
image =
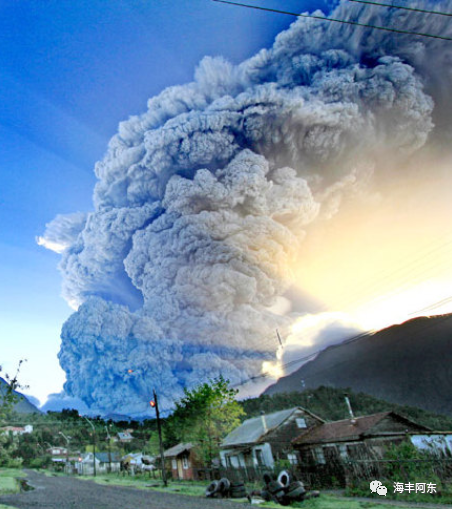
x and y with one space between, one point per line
69 72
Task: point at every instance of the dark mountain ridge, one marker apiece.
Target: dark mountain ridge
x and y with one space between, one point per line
22 406
407 364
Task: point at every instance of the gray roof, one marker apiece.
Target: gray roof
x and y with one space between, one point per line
177 449
252 430
104 458
125 436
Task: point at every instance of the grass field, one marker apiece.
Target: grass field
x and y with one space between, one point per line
8 482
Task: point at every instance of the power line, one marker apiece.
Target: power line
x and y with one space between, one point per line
308 357
414 9
335 20
347 361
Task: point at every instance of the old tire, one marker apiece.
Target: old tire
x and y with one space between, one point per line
276 489
224 486
267 478
212 489
266 495
284 478
237 490
296 491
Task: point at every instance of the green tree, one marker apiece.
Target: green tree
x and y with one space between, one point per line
153 444
8 395
8 398
204 416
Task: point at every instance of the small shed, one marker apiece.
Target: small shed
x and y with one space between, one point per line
182 461
105 462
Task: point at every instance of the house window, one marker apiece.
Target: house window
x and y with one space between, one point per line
260 457
185 462
319 456
343 452
174 464
293 460
301 423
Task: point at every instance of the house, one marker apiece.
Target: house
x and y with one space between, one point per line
260 441
138 462
124 437
57 451
436 442
360 438
183 461
17 430
105 462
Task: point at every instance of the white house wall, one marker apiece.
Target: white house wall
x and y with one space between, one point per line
237 459
266 454
432 443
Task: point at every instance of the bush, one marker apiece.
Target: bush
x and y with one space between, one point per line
405 464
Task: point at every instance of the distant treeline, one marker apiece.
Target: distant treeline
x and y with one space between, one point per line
329 404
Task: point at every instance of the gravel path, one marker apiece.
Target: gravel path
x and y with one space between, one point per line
70 493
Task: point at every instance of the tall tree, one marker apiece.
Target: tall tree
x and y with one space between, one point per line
8 395
204 416
8 398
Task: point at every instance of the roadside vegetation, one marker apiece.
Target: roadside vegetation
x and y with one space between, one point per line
406 464
9 480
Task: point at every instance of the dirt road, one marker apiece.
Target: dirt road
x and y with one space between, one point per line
71 493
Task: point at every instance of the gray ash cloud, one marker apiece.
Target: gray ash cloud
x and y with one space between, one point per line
203 201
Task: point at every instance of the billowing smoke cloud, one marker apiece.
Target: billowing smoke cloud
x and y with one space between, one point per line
203 202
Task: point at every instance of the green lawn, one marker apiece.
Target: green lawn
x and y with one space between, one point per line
8 482
187 488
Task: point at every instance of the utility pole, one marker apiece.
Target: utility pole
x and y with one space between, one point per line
94 443
67 448
155 404
279 337
109 451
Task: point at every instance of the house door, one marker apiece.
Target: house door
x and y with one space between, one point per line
334 466
180 470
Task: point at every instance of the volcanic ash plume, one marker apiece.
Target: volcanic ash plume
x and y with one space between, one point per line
203 202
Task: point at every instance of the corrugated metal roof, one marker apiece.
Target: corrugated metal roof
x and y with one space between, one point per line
347 428
177 449
103 457
252 430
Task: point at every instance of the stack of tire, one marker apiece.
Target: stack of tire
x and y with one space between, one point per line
237 490
226 489
282 490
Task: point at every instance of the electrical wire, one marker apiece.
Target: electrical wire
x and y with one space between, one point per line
335 20
414 9
308 357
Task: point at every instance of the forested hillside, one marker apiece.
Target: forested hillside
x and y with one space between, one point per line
329 404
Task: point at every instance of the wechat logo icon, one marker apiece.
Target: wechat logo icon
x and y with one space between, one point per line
377 487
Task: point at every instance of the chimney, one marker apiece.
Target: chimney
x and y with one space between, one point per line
264 422
349 406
